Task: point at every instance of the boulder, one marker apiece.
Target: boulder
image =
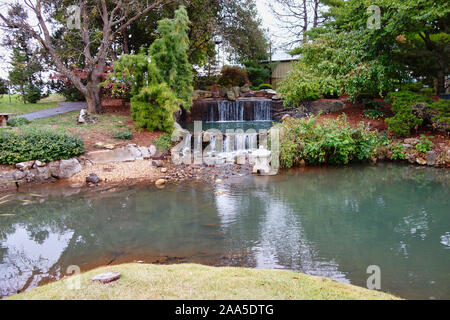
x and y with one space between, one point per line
431 158
236 91
201 94
245 88
85 117
325 106
277 97
22 166
157 163
421 161
230 95
286 117
42 174
68 168
223 92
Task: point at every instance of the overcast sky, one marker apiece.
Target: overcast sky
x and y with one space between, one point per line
268 20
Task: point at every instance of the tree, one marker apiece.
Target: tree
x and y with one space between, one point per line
409 31
160 77
25 62
101 22
4 89
296 17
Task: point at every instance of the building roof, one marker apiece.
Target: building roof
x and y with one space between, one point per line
282 56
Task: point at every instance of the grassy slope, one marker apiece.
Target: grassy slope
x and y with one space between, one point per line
17 106
190 281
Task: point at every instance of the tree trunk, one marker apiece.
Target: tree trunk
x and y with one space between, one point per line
440 82
93 99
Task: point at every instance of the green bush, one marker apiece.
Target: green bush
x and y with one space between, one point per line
373 113
232 77
164 142
425 144
33 144
154 106
123 135
328 142
427 91
32 94
404 119
412 86
264 86
299 86
443 107
17 122
398 151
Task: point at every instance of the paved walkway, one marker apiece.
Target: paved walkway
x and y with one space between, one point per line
63 107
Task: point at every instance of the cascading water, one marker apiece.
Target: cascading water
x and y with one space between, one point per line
261 110
239 110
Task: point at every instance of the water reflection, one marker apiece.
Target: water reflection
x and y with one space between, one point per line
327 222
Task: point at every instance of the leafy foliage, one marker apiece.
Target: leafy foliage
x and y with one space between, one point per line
160 80
299 86
398 151
232 77
425 144
329 142
404 119
443 108
257 72
32 93
33 144
373 113
123 135
17 122
264 86
164 142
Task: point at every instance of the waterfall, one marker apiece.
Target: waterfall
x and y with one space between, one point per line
239 110
261 110
231 110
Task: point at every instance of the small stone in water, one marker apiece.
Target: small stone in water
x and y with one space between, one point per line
160 182
106 277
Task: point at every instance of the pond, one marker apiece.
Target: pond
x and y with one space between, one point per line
332 222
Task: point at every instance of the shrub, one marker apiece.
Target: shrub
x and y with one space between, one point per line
17 122
298 87
329 142
443 108
427 91
398 151
373 113
258 72
264 86
412 86
164 142
154 106
404 119
425 144
232 77
43 145
123 135
32 94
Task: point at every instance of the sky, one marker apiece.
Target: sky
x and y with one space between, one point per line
268 22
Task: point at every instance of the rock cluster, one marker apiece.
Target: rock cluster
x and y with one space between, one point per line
37 171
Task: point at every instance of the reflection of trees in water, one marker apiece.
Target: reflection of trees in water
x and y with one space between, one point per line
106 227
352 218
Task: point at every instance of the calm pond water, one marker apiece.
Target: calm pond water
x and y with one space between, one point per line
332 222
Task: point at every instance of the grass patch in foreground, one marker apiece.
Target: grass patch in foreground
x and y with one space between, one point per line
17 106
192 281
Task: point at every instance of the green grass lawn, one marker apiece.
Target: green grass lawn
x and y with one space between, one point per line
17 106
191 281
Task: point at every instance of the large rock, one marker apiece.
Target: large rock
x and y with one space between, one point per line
236 91
23 166
431 158
42 174
128 153
326 106
230 95
245 88
201 94
68 168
